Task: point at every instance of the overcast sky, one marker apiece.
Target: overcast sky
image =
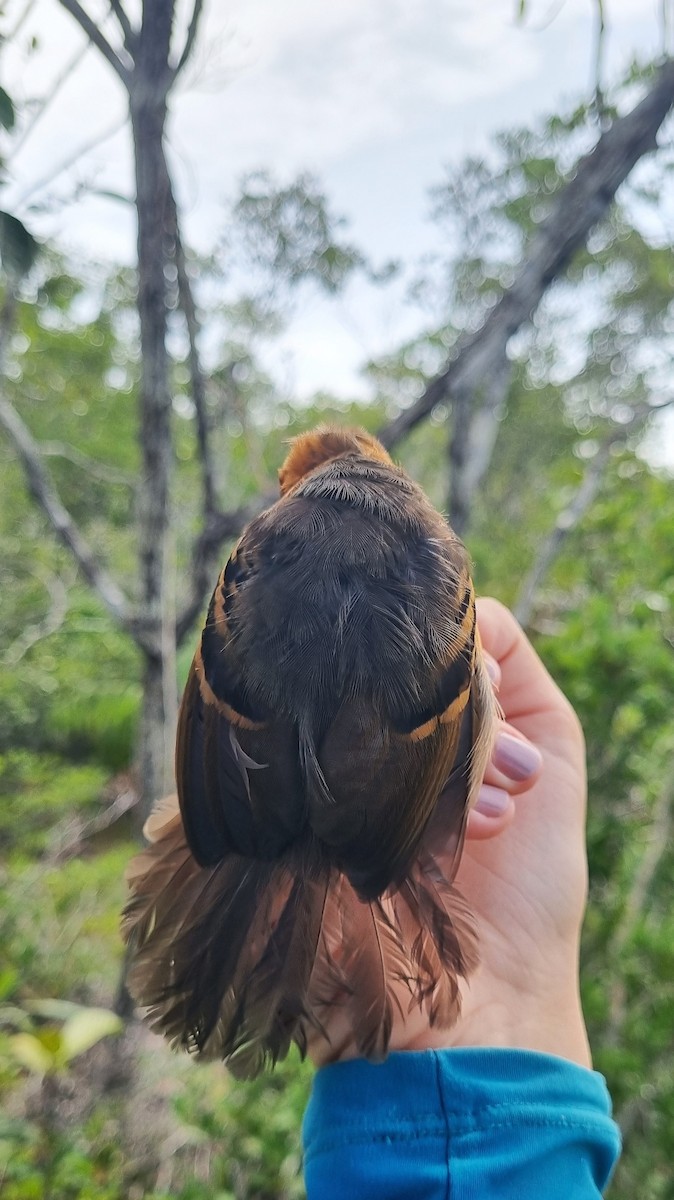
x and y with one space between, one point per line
375 97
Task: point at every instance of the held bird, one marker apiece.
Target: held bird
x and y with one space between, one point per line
333 734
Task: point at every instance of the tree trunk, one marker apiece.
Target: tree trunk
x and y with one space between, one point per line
157 566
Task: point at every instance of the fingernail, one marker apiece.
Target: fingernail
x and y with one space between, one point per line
491 801
516 759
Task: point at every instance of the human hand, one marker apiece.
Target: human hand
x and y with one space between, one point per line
523 871
527 887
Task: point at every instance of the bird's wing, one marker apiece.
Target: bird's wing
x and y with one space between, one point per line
236 764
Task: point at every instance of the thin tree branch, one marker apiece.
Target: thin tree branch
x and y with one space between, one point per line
77 832
566 522
581 204
216 526
221 527
57 591
129 34
635 1109
599 42
88 26
44 493
70 161
46 100
665 22
475 426
659 841
9 37
97 470
570 518
191 37
197 378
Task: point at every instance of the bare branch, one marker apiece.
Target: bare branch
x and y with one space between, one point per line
60 519
21 19
665 26
659 841
97 470
581 204
88 26
70 161
475 427
45 101
197 379
567 521
572 515
129 34
71 840
216 526
57 591
221 527
600 39
191 36
635 1109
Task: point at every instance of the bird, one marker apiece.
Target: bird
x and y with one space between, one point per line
333 733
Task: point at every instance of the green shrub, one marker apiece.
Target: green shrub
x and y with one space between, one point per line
39 790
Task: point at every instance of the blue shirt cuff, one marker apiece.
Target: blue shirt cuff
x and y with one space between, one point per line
464 1123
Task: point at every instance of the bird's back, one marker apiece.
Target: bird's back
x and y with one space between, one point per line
350 588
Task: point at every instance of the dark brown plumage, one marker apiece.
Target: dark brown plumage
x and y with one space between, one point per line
334 730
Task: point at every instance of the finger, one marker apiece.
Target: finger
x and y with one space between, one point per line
515 762
525 688
493 812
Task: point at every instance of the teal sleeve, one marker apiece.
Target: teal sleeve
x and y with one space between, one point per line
459 1125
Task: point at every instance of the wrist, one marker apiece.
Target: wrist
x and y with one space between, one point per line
550 1025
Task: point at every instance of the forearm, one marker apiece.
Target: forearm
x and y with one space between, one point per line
498 1123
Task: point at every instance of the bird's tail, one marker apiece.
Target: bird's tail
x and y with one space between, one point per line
239 960
220 956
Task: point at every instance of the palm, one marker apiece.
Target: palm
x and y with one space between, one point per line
527 887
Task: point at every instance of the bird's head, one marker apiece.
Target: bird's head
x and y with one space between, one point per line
311 450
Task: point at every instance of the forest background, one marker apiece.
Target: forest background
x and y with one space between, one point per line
141 423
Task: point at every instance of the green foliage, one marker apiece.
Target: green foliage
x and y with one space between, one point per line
100 726
253 1129
38 791
59 925
7 110
18 247
289 233
49 1046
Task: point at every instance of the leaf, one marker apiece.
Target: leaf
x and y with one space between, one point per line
18 247
7 112
53 1010
30 1053
85 1029
13 1017
8 981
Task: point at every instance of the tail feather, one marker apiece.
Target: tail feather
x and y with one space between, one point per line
444 941
376 965
239 960
272 984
